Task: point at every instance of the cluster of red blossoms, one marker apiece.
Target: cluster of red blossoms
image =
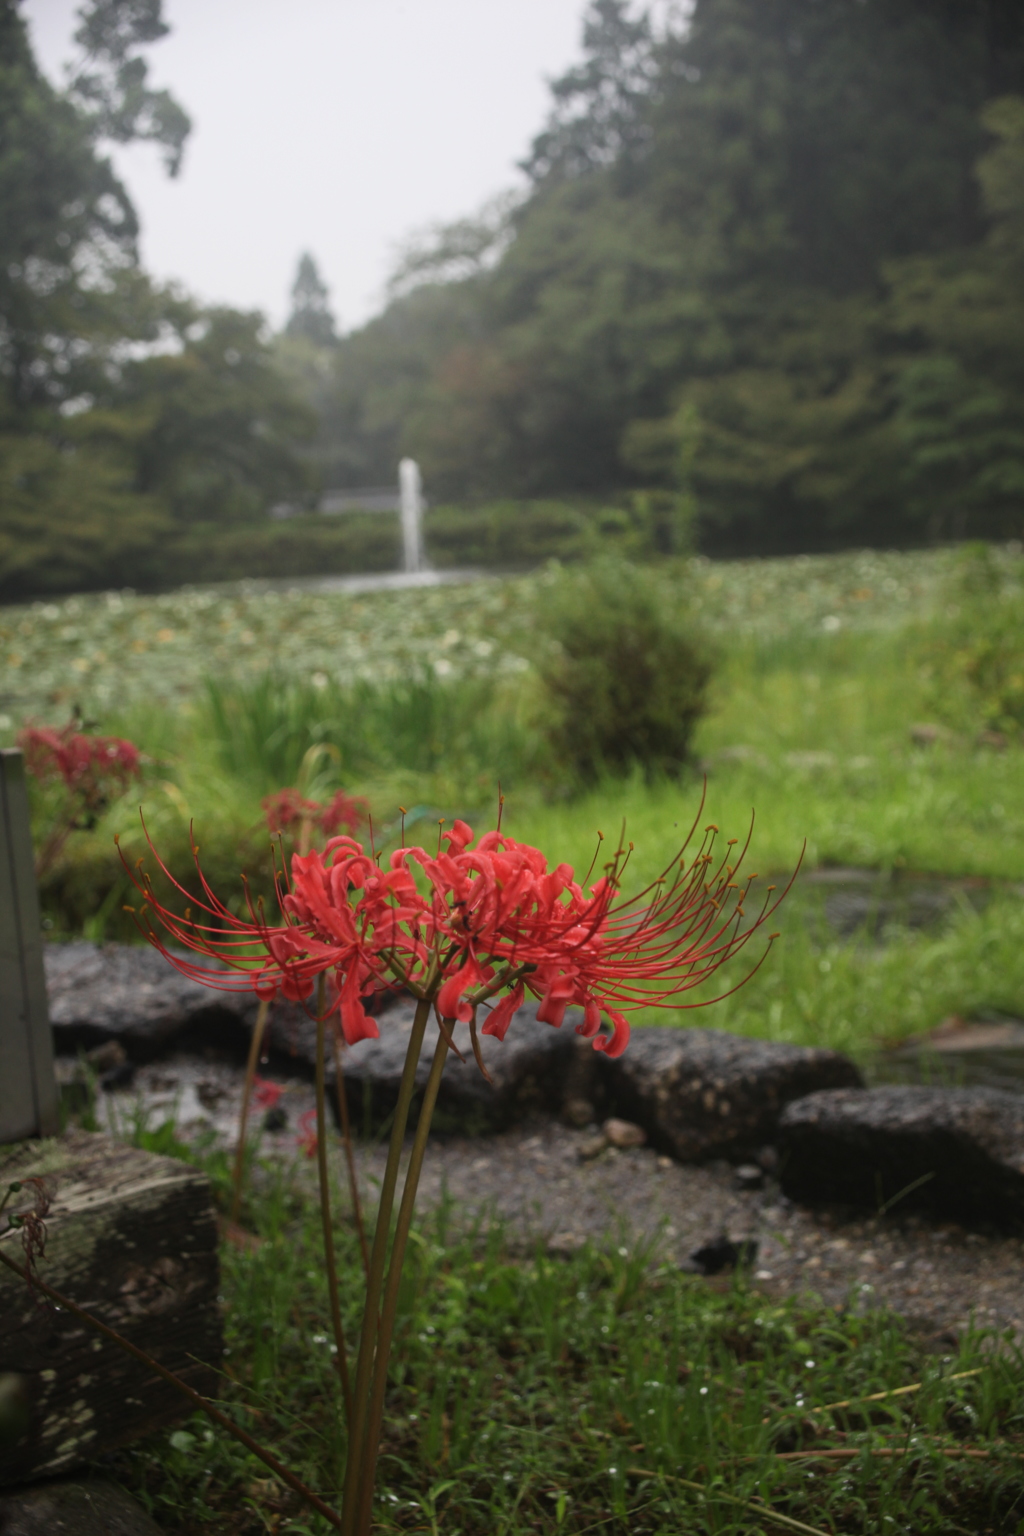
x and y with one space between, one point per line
470 928
287 809
93 768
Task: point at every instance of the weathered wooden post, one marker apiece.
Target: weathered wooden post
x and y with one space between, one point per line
130 1236
28 1087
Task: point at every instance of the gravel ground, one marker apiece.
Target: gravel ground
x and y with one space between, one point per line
539 1181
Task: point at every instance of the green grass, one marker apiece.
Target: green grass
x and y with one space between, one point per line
534 1394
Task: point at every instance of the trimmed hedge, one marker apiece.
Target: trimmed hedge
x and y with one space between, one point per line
497 535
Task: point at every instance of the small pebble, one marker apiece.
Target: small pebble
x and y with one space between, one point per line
748 1176
579 1112
622 1133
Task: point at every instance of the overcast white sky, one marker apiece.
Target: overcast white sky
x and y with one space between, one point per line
335 126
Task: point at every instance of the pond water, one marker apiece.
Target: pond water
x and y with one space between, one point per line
986 1050
867 901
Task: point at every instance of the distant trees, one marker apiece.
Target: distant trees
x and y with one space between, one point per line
128 414
311 314
767 269
766 243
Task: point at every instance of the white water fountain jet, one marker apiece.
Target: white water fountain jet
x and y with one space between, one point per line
410 489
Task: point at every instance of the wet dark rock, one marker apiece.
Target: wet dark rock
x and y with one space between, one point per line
578 1112
128 994
701 1093
121 1076
953 1152
529 1071
697 1093
87 1508
106 1057
128 998
723 1253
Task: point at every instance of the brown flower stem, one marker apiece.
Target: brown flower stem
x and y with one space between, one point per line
375 1415
250 1073
354 1469
350 1162
195 1398
341 1356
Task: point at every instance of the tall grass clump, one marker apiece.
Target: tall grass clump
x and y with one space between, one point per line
264 729
626 673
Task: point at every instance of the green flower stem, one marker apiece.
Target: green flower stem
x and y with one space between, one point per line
250 1073
341 1358
354 1471
375 1415
350 1160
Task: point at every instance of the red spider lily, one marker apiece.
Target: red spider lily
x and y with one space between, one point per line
342 811
266 1094
93 769
493 923
287 809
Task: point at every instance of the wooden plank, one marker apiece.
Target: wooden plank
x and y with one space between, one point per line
133 1238
28 1087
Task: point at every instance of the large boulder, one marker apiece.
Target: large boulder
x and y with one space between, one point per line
132 994
701 1093
955 1152
128 993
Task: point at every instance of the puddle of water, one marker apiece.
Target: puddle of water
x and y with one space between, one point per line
983 1053
865 901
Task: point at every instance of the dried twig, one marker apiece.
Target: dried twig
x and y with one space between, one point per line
878 1397
773 1516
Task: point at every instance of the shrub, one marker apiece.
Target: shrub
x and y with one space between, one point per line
626 675
977 661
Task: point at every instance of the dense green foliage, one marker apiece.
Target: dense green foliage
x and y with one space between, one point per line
772 259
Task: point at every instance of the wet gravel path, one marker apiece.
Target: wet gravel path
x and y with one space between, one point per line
538 1181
